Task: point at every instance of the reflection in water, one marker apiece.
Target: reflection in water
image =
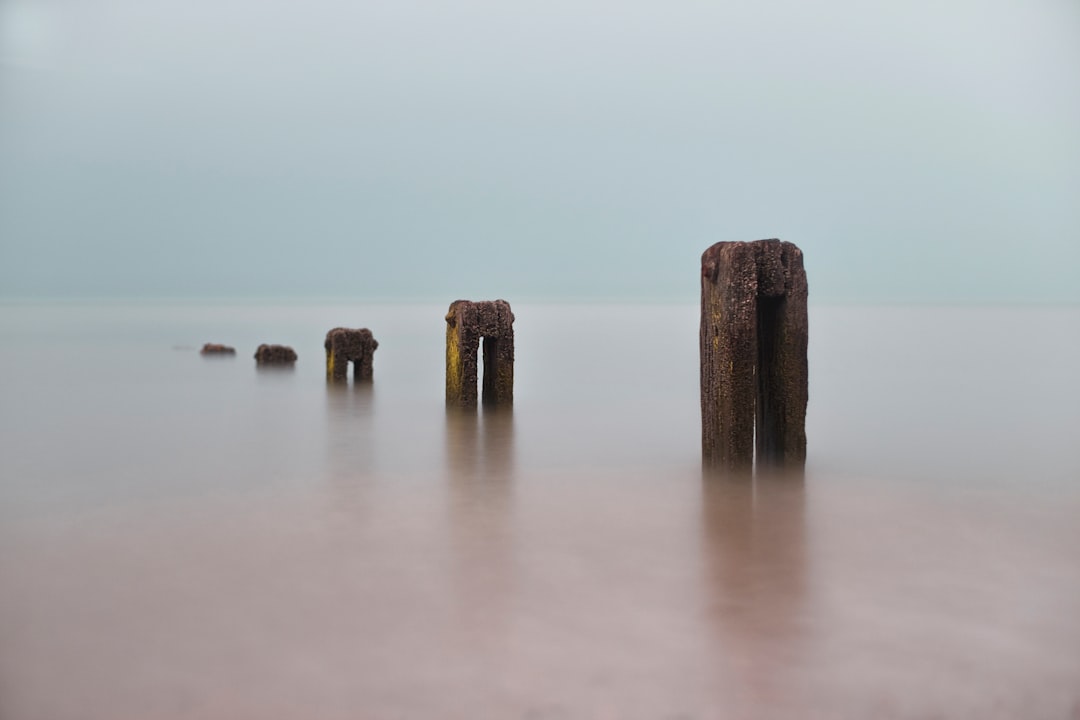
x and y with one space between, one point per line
480 467
480 444
350 430
755 566
349 401
274 371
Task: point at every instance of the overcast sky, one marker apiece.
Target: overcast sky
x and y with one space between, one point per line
926 150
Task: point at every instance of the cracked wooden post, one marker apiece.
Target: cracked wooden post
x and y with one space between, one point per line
753 355
343 346
467 323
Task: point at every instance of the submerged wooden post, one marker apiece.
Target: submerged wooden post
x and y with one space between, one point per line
343 346
753 355
467 323
274 355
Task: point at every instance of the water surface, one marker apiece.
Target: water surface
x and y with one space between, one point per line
192 537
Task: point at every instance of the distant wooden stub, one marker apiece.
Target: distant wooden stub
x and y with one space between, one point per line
753 355
467 324
344 345
275 355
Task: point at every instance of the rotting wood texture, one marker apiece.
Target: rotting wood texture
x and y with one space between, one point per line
275 355
344 345
467 323
753 355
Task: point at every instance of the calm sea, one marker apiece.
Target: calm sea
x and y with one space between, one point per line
190 537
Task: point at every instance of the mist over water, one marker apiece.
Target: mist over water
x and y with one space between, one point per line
184 536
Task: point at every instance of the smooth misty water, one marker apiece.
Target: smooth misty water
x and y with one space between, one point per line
191 537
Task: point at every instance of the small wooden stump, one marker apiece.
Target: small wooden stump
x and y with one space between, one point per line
467 323
216 349
343 346
275 355
753 355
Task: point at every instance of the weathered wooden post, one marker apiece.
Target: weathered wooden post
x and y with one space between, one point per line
274 355
467 323
343 346
753 355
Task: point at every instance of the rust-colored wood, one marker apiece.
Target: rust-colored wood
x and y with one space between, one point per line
753 342
467 324
345 345
275 355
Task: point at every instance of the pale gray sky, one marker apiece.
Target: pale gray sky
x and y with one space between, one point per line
924 151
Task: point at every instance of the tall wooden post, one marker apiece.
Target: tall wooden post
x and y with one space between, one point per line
467 324
753 355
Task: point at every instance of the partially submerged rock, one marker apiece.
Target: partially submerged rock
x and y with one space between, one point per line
216 349
275 355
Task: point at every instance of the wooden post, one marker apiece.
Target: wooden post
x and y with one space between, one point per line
467 324
753 355
274 355
344 346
